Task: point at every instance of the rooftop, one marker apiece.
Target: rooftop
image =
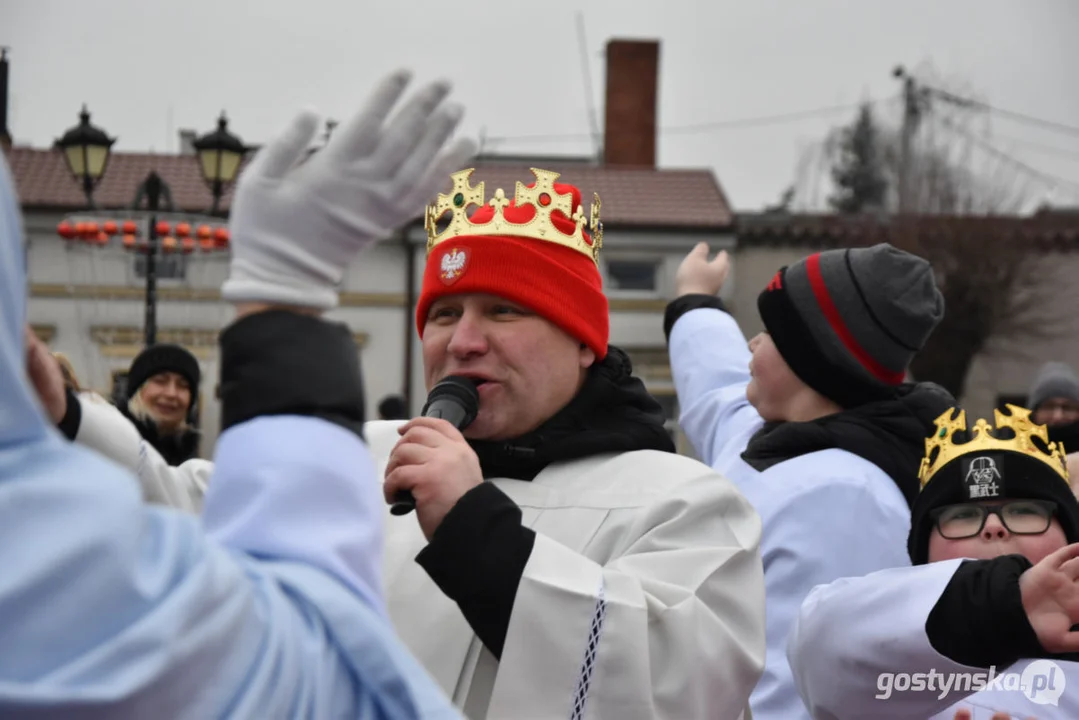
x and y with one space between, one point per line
632 197
830 230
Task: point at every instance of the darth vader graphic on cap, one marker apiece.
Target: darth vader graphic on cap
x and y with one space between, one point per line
982 478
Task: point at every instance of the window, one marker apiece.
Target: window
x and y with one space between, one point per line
639 275
119 388
168 267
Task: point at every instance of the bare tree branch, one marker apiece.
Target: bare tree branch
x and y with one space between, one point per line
992 275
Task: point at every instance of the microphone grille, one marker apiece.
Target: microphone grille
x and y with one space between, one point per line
456 386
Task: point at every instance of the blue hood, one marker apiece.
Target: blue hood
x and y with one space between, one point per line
111 608
21 418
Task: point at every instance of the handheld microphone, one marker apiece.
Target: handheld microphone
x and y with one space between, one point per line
453 399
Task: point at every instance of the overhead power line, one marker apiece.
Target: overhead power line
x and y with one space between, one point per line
768 119
704 127
1039 147
1053 180
1059 127
1017 116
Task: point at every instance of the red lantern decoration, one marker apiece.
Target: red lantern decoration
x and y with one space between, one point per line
221 237
204 232
109 227
91 230
169 244
183 230
188 244
129 241
162 228
102 238
129 227
206 244
66 230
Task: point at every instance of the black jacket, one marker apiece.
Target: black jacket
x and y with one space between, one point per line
175 449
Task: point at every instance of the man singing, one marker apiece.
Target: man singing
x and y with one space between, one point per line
563 560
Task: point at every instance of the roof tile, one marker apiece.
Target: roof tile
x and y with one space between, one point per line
823 231
631 197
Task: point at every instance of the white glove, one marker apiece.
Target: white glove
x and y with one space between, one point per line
297 222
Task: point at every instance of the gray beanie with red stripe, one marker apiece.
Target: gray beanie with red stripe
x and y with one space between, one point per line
848 322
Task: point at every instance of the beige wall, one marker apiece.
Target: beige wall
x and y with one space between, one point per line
1009 364
753 267
75 289
373 305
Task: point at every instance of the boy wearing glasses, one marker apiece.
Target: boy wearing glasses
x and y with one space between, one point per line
982 623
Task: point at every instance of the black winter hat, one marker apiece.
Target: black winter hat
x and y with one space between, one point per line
163 358
992 472
849 321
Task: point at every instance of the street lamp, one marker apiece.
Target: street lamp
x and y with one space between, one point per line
152 189
86 151
220 154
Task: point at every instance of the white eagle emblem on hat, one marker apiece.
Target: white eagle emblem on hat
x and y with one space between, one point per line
453 265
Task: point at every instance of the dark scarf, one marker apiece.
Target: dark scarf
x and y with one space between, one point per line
888 433
1066 434
175 449
612 413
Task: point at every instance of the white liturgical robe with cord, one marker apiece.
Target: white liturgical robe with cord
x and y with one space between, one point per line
643 597
859 649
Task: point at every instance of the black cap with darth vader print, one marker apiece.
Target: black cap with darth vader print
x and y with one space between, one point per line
1013 461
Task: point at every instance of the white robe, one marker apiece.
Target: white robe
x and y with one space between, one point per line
810 505
643 596
104 428
855 638
682 632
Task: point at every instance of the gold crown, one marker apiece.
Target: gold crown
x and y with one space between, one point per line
983 440
541 196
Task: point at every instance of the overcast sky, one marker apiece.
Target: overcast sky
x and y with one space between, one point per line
147 69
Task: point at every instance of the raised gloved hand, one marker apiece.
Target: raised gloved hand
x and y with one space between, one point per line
298 221
699 275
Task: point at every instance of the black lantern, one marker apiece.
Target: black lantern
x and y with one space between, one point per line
86 151
220 154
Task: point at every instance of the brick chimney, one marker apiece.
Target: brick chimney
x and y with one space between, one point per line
5 134
629 128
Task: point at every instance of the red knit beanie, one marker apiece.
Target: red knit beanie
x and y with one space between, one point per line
559 283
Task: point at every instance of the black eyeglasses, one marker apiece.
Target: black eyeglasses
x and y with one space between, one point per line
1020 517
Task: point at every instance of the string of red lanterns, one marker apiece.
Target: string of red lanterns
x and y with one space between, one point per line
181 236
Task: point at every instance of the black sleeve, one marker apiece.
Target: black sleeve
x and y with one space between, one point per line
979 619
477 557
681 305
285 363
69 424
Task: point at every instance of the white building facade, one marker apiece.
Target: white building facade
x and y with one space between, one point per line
88 302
